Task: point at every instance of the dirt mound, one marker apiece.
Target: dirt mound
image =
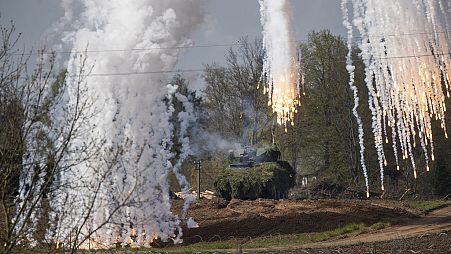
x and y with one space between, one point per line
250 219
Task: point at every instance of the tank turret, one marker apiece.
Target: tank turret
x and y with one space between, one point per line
255 173
249 156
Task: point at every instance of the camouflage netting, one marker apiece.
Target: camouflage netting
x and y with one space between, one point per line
266 180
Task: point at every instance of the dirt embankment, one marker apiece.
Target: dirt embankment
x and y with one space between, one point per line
250 219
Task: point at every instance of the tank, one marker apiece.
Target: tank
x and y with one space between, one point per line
255 173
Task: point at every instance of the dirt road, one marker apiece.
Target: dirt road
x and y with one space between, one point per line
436 222
427 234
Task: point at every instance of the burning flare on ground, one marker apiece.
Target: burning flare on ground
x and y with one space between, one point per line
281 66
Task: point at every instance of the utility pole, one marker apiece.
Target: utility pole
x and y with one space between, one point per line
89 239
198 164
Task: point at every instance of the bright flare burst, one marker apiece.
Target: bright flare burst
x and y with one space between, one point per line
405 45
280 67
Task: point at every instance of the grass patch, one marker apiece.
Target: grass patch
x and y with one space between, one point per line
267 241
324 236
380 225
426 207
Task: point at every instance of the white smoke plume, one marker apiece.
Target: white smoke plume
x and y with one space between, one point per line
186 119
133 114
406 50
351 68
281 65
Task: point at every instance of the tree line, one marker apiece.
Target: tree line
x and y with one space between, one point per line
323 144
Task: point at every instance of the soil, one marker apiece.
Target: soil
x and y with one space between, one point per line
245 220
428 243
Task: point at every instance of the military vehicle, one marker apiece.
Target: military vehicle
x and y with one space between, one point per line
250 157
255 173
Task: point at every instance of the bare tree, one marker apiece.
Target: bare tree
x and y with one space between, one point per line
234 98
44 119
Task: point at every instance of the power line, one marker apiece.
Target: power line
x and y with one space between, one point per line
132 73
412 56
140 73
132 49
201 70
206 46
404 34
193 46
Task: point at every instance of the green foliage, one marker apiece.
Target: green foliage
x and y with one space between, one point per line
323 236
323 140
441 169
426 207
267 180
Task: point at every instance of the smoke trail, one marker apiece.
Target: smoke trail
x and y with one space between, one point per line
133 115
280 64
351 68
186 119
405 48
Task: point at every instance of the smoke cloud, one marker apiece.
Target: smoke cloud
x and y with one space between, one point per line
405 47
133 113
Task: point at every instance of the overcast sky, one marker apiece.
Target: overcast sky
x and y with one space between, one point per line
228 21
